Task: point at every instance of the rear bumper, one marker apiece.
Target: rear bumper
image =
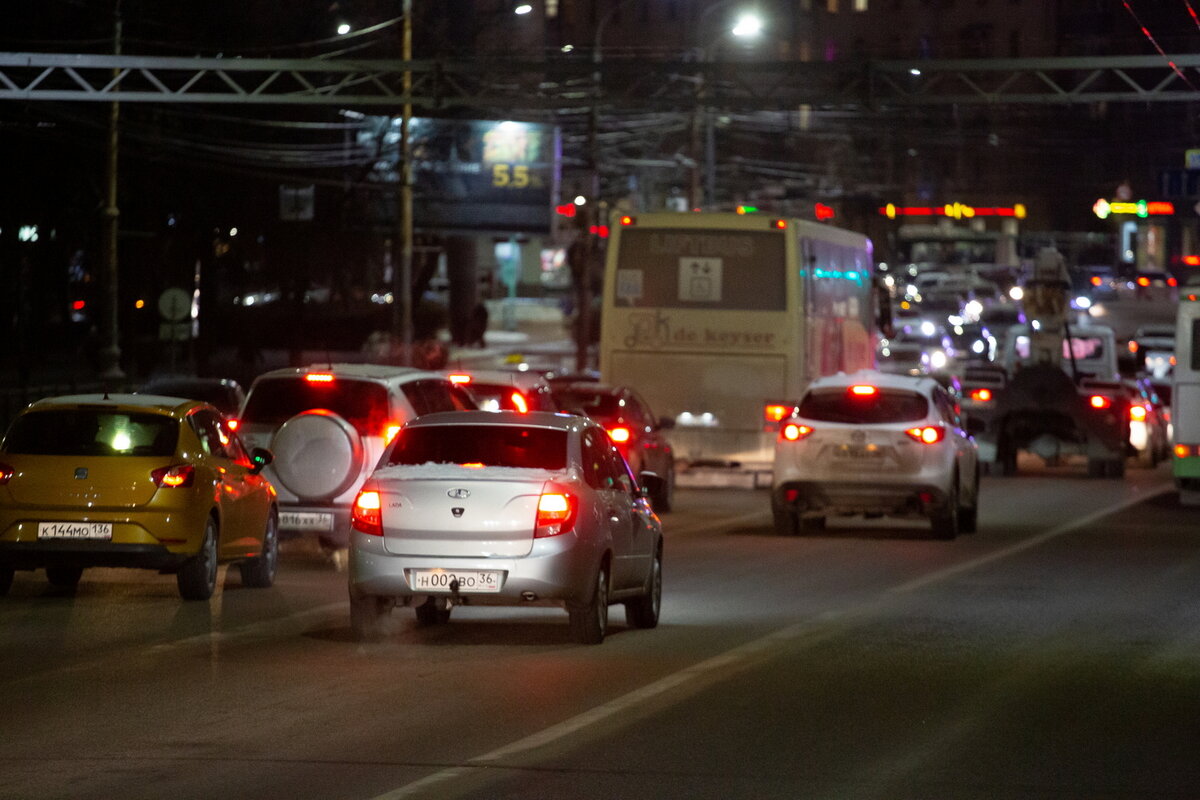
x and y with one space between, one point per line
338 534
558 570
35 555
859 497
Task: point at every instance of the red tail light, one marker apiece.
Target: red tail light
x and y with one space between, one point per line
556 513
389 431
1137 412
619 435
773 413
927 434
1172 282
6 473
173 477
233 423
519 403
366 515
794 431
1100 402
1096 280
1143 281
1186 450
981 395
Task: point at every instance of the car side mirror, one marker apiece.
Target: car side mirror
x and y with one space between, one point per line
650 484
666 423
259 458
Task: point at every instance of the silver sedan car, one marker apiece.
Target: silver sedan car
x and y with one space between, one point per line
504 509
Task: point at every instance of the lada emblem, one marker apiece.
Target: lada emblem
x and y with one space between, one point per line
457 512
459 494
858 437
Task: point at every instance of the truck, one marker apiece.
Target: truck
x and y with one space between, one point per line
1055 390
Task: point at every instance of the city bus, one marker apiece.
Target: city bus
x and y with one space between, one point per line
1185 399
720 320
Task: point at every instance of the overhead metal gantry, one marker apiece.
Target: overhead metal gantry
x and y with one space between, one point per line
625 83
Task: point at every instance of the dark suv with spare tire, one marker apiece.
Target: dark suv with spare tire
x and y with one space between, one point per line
327 426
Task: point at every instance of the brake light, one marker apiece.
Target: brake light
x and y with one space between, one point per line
1172 282
1137 412
863 391
389 432
1100 402
319 377
981 395
518 401
794 431
1186 450
233 423
1143 281
365 515
174 477
774 413
1096 280
6 474
619 435
459 379
927 434
555 514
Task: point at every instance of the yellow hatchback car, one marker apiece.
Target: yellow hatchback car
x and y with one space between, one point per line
129 480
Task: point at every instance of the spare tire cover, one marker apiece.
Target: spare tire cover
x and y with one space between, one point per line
318 455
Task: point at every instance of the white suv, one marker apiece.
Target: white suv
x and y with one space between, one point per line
876 444
327 426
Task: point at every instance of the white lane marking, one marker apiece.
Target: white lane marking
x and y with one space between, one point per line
1027 544
733 659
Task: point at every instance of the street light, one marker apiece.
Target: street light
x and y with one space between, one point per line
748 26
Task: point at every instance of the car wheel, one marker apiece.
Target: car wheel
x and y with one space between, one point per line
787 521
944 521
197 578
643 612
366 615
968 516
589 622
434 611
64 577
259 572
6 579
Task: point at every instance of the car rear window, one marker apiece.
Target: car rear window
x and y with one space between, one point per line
885 405
597 405
273 401
92 432
487 445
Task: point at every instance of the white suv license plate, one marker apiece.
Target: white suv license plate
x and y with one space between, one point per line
469 581
91 531
305 521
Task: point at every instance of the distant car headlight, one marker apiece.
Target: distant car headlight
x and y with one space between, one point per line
1083 302
937 359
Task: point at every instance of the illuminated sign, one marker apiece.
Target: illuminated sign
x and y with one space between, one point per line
1141 208
954 211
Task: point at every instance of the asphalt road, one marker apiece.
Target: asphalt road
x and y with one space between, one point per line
1052 654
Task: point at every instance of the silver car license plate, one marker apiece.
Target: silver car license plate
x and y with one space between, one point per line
469 580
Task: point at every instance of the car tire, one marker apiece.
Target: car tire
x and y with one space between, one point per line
643 612
434 611
786 520
197 578
259 572
64 577
6 579
944 521
968 516
589 622
367 612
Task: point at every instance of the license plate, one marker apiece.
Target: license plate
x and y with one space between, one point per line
858 452
305 521
439 580
75 530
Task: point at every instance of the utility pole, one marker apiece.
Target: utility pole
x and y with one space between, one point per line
406 193
110 353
